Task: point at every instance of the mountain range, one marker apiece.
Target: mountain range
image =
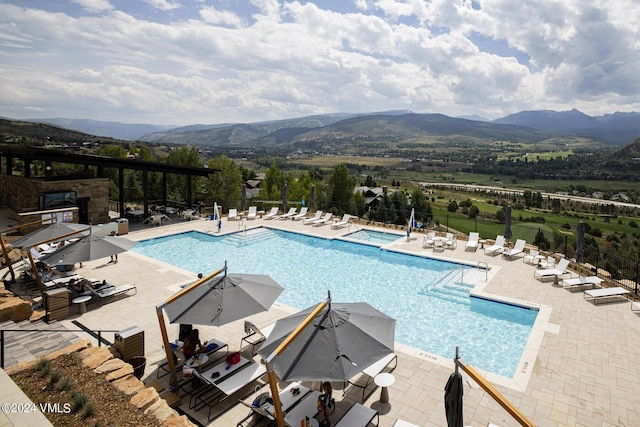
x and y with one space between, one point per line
390 126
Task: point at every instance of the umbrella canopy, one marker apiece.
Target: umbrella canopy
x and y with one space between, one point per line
224 299
285 202
507 223
453 400
342 340
50 233
580 242
89 248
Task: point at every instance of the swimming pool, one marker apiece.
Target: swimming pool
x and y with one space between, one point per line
432 307
374 236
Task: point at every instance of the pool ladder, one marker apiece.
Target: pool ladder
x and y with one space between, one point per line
445 279
484 266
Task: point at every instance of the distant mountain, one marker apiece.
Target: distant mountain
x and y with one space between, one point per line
617 128
129 132
475 117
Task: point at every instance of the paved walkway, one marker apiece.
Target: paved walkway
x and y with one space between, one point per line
580 366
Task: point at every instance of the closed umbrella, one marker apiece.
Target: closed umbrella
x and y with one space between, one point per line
453 400
51 233
311 204
340 341
89 248
507 223
243 200
285 202
580 242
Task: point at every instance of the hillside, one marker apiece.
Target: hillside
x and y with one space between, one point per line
28 133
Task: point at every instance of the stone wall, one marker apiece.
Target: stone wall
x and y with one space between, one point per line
22 196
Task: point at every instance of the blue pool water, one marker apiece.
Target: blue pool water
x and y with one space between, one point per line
374 236
432 307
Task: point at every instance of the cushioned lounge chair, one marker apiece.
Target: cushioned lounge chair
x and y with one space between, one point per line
288 400
497 247
560 270
604 293
370 373
112 291
358 416
581 283
272 213
233 215
518 248
292 212
316 217
254 335
343 222
472 243
302 214
402 423
322 221
253 212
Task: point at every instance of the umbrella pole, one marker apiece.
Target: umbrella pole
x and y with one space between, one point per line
6 258
273 383
35 273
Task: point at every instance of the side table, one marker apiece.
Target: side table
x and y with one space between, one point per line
384 381
82 301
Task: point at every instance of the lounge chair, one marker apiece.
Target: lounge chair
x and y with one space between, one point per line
635 306
358 416
370 372
532 257
232 215
518 248
316 217
550 262
181 358
603 293
289 214
272 213
402 423
497 247
450 241
322 221
428 240
472 243
288 400
255 336
581 282
560 270
253 212
46 248
112 291
343 222
302 214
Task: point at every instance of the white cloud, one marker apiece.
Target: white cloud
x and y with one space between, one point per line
211 15
94 5
163 5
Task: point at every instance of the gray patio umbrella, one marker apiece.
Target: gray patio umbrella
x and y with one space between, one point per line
223 299
51 233
340 341
507 223
580 242
284 197
311 205
453 400
89 248
243 200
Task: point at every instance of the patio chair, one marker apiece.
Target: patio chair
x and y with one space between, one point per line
291 213
343 222
253 212
316 217
428 240
581 283
113 291
560 270
302 214
272 213
472 243
518 248
550 262
497 247
358 416
370 373
604 293
233 215
255 336
532 257
450 241
322 221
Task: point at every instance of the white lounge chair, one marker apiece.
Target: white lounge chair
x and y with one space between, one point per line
497 247
532 257
518 248
371 371
292 212
254 335
429 239
253 212
358 416
472 243
272 213
322 221
550 262
402 423
581 282
114 291
302 214
560 270
233 215
343 222
316 217
635 306
598 294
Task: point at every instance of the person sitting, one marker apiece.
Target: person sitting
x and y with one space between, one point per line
47 273
79 285
326 402
192 344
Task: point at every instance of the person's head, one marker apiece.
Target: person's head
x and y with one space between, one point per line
199 275
194 337
326 388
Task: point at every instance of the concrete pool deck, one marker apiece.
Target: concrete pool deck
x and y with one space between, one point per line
581 365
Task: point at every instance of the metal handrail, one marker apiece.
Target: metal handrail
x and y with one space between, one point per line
90 332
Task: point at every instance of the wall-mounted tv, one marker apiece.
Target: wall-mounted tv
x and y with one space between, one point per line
59 200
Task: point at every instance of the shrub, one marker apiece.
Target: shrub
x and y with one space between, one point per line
55 377
633 224
65 384
78 400
596 232
87 411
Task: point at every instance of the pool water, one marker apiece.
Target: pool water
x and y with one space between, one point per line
428 299
374 236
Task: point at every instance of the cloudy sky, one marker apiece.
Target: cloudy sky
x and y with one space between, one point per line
182 62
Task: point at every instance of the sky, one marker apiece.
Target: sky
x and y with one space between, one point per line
181 62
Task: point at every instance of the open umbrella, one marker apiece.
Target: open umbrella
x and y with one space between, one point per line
453 400
340 341
89 248
507 223
580 242
224 299
51 233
